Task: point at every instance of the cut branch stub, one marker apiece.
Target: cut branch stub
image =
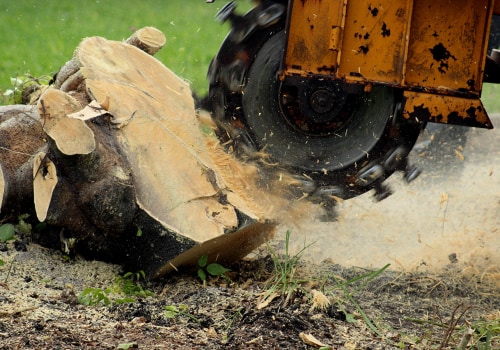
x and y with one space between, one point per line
44 183
72 136
148 39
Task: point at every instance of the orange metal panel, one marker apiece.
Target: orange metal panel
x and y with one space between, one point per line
434 48
374 41
445 109
313 37
447 45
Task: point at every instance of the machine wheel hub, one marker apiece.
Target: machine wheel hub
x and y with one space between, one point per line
322 101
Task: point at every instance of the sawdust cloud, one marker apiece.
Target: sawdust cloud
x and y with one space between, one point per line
448 217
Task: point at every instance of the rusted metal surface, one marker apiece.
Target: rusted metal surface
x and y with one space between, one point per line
447 45
445 109
313 37
374 42
496 8
433 47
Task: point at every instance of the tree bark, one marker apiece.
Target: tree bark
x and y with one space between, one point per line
21 136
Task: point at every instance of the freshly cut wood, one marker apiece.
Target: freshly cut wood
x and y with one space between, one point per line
174 177
72 136
44 183
222 249
148 39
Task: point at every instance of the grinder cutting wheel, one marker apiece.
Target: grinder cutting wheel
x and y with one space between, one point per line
322 89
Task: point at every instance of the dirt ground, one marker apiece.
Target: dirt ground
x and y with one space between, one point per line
39 307
440 235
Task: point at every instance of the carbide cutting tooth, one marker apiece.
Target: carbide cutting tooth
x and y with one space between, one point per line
411 173
226 12
381 192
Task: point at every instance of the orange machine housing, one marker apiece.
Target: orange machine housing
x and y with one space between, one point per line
433 50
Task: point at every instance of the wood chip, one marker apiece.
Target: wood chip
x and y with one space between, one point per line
311 340
264 302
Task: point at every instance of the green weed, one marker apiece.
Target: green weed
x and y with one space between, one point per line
126 346
7 232
21 84
213 269
485 334
349 289
125 289
94 296
172 311
283 281
23 226
478 335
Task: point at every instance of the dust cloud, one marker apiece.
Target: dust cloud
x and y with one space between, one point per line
450 215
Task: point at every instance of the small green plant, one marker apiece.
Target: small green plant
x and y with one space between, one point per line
21 83
129 285
126 346
135 276
93 296
212 269
23 226
350 288
124 290
7 232
172 311
139 232
283 281
481 335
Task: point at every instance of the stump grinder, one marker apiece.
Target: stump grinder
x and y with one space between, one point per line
337 92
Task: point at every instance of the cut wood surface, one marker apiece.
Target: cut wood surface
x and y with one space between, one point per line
72 136
157 130
148 39
44 183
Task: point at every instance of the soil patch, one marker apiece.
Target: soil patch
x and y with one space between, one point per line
39 307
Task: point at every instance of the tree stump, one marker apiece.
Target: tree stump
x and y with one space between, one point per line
114 160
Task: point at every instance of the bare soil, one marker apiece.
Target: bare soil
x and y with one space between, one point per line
39 307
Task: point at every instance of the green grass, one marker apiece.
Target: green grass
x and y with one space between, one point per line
40 36
490 98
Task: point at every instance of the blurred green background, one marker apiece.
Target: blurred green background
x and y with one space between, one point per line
39 36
